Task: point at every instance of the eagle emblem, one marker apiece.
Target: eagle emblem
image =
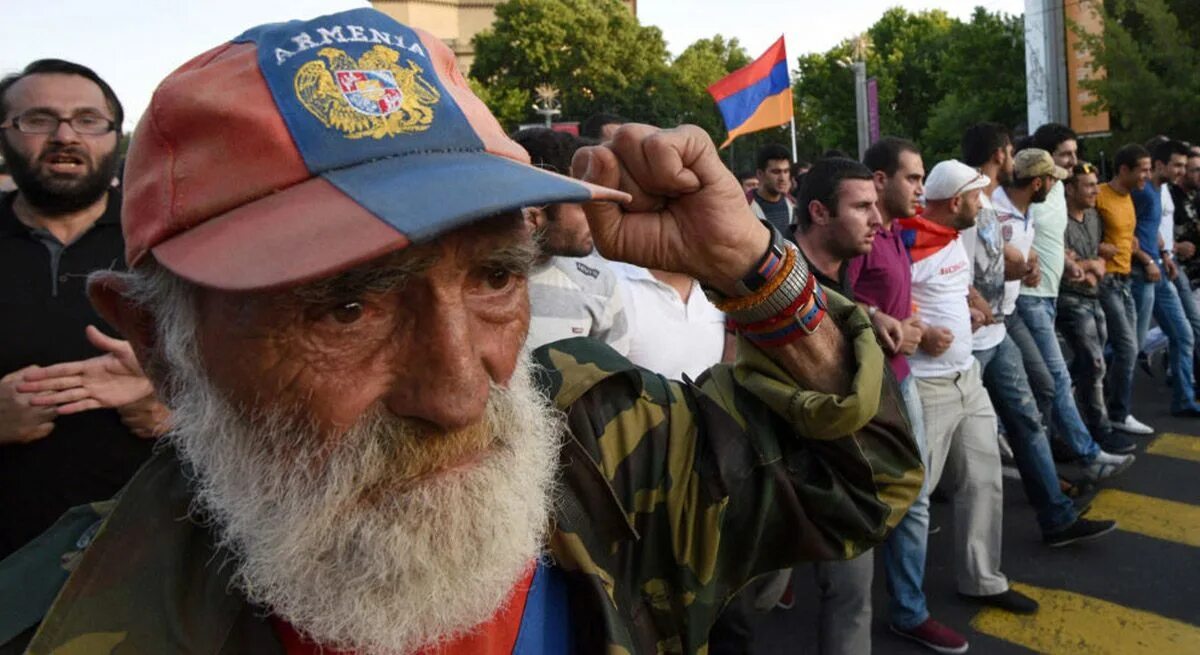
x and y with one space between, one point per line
374 96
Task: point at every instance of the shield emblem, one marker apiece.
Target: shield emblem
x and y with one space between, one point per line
370 92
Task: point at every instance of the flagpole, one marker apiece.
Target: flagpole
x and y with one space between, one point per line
795 155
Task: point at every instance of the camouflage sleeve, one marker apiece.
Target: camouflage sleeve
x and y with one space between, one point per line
743 473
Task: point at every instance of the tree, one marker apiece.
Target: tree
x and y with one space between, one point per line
936 76
593 51
1150 51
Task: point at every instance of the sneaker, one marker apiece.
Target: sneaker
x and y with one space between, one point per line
1115 442
935 636
1106 465
1009 600
1079 530
1132 426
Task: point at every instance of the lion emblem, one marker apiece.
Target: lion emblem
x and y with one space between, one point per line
373 96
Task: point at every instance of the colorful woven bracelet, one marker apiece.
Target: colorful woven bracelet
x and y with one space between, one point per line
798 327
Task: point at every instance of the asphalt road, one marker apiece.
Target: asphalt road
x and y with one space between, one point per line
1135 591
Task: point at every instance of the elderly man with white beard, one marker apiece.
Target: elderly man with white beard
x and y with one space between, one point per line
363 460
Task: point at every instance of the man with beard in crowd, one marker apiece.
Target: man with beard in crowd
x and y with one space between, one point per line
960 424
572 293
59 133
369 462
1185 196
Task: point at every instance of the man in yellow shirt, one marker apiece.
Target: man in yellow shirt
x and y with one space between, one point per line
1115 207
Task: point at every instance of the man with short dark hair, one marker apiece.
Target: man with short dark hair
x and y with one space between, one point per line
1154 292
1113 203
60 124
770 201
601 126
1186 195
837 218
572 293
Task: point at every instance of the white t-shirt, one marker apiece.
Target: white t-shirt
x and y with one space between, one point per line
576 297
667 335
939 289
1166 229
1017 230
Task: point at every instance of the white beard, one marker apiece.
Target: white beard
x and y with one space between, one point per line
330 538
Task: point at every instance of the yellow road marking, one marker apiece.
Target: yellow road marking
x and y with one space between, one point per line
1153 517
1074 624
1179 446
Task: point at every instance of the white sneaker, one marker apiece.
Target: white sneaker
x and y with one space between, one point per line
1106 465
1133 426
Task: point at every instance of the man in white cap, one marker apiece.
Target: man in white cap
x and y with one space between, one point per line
960 424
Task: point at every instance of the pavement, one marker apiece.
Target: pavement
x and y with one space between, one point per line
1135 591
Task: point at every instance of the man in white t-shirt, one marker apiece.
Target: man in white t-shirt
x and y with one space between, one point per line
960 424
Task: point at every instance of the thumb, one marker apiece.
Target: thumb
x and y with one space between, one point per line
105 342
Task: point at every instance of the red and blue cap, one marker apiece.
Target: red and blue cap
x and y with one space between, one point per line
305 148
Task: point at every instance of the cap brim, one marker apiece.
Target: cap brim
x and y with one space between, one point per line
350 216
1060 173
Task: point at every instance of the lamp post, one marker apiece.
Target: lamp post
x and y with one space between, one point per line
548 104
860 46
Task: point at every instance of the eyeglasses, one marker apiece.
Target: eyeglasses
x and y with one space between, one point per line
41 122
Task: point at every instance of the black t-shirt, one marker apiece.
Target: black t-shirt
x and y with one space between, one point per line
840 286
777 213
44 309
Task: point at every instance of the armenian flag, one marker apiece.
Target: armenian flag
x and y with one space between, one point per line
755 97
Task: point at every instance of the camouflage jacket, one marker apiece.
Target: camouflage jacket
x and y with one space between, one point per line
675 496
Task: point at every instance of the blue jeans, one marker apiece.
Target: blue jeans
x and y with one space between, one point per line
904 550
1161 300
1183 287
1040 380
1116 298
1081 321
1004 377
1039 314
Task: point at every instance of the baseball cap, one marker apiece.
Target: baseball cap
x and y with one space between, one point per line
952 178
1035 162
301 149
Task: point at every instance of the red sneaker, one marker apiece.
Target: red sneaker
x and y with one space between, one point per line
935 636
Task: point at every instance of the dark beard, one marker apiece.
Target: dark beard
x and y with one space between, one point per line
56 197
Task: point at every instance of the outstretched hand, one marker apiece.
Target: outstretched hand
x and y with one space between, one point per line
688 213
113 380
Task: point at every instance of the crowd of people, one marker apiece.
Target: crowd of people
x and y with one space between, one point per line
394 416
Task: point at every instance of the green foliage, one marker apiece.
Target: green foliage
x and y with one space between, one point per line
1150 50
593 51
936 76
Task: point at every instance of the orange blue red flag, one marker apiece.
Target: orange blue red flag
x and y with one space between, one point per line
757 96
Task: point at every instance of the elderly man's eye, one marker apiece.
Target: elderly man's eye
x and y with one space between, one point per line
347 313
499 278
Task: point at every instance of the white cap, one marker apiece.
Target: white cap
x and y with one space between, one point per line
953 178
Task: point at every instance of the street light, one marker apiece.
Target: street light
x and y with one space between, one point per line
860 47
548 104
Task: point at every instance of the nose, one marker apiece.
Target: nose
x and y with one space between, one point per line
440 377
64 133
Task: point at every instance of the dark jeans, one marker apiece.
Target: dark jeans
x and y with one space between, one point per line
1116 299
1081 321
1006 383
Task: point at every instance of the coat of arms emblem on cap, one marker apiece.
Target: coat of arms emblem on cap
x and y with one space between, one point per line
374 96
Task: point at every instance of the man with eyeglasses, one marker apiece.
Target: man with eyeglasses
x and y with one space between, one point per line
77 417
572 292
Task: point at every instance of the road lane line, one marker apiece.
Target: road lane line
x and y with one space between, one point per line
1074 624
1153 517
1179 446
